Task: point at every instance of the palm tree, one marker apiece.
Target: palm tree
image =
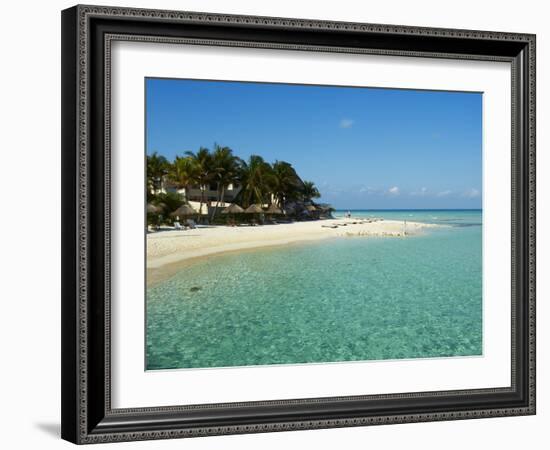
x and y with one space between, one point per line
202 159
286 183
169 202
310 191
227 170
256 180
157 167
184 172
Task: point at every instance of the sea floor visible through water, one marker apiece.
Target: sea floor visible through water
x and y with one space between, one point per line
345 299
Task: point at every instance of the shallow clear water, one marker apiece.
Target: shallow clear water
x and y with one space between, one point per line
464 217
347 299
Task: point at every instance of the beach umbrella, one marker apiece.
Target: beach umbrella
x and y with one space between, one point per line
162 207
289 211
233 209
152 209
254 209
152 218
273 209
183 211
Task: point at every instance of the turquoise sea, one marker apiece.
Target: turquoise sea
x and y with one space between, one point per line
348 299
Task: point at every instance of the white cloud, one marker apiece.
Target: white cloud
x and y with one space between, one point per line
394 190
346 123
368 190
420 193
471 193
444 193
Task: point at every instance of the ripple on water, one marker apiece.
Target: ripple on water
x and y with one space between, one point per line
339 300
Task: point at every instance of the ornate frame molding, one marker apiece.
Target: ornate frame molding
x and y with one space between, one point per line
78 424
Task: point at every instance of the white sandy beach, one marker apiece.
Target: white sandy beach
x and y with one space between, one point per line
166 248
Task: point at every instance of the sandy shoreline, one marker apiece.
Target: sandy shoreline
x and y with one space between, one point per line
166 250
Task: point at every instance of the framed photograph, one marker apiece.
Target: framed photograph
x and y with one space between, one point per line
277 224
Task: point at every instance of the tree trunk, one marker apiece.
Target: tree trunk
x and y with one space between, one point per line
201 203
220 198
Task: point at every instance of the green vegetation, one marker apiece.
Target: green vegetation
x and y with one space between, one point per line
257 181
157 168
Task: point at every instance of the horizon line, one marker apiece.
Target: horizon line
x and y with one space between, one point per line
408 209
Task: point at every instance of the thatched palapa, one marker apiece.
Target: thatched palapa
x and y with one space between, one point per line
233 209
183 211
254 209
273 209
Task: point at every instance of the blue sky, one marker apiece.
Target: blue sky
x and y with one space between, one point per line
363 147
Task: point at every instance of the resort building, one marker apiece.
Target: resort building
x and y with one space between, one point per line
194 194
209 198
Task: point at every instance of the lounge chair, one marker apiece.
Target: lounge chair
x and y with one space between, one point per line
177 226
191 224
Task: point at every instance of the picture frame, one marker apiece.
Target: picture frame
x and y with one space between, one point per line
87 412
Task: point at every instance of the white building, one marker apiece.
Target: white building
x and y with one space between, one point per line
210 198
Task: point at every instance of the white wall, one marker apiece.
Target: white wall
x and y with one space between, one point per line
30 243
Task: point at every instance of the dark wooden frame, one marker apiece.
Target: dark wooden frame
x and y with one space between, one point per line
87 31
